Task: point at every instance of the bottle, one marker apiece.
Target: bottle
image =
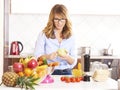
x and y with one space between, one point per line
86 63
87 67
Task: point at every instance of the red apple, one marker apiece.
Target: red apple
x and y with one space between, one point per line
32 63
18 67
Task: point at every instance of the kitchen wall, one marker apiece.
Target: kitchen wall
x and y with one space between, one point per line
96 31
95 23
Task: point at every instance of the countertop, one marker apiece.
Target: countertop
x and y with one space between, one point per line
79 57
110 84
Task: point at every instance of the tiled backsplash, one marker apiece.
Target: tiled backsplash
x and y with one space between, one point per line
95 31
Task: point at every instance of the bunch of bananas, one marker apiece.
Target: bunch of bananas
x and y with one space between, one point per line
78 72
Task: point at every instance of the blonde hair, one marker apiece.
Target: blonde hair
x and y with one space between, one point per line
67 29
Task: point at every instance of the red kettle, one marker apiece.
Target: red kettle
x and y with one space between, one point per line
16 48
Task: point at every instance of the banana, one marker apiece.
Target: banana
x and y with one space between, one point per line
79 66
26 60
77 72
21 60
42 67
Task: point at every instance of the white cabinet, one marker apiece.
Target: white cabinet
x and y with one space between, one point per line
74 6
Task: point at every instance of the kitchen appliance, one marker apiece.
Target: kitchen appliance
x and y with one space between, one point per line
108 51
16 48
84 50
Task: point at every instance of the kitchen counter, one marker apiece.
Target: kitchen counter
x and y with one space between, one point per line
18 56
79 57
13 58
110 84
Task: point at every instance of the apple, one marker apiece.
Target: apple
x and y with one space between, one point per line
61 52
18 67
26 60
32 63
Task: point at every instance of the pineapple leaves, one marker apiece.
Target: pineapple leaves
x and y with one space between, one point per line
27 82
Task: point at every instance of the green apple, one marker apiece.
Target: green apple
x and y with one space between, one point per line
61 52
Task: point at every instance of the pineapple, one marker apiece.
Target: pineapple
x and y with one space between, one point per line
27 82
9 79
12 79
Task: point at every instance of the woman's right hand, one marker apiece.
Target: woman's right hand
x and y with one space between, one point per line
52 56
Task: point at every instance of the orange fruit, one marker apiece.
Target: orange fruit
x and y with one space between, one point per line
20 73
28 71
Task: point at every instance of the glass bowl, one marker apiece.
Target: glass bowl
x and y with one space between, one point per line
46 78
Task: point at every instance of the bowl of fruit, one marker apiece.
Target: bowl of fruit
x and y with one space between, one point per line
49 68
28 72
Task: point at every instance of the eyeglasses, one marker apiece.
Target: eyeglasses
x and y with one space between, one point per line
57 20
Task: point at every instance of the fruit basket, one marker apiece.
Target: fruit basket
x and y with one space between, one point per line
48 69
29 72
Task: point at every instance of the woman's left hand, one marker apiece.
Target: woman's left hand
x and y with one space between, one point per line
68 58
64 57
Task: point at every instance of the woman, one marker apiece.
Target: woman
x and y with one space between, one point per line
57 34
